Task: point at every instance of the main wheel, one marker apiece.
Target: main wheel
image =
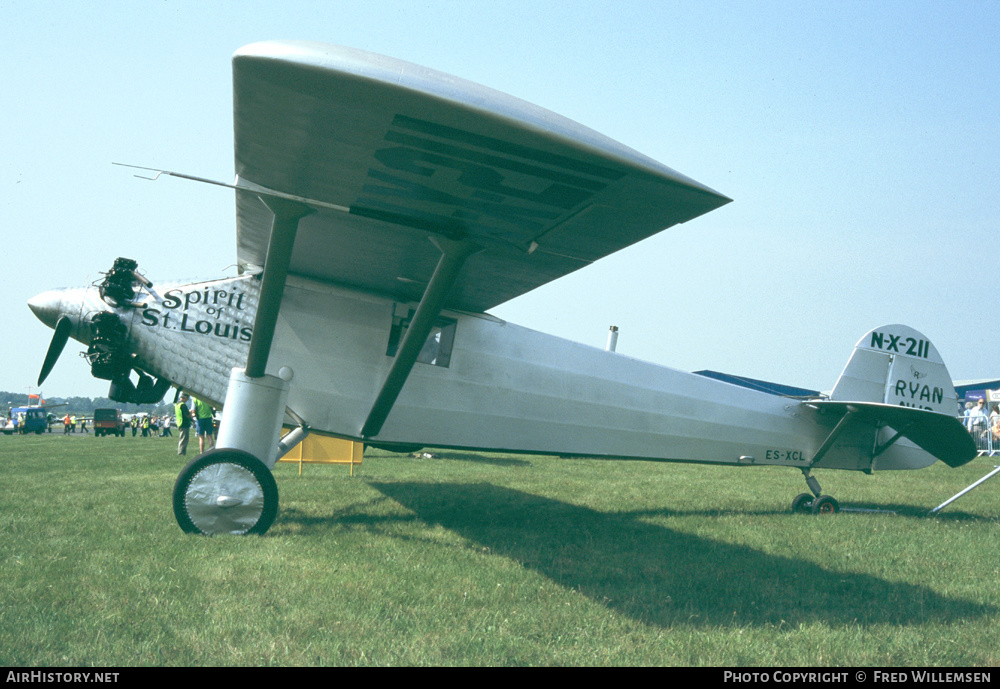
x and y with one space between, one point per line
225 491
825 504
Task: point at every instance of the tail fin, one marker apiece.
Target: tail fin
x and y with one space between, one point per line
896 378
897 365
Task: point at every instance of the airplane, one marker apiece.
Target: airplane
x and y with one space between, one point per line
383 209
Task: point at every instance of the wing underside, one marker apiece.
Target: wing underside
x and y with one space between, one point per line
393 154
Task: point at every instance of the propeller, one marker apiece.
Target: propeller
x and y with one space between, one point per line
60 336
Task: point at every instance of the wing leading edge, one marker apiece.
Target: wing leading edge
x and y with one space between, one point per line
393 154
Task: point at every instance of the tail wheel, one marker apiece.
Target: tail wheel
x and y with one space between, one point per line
825 504
225 491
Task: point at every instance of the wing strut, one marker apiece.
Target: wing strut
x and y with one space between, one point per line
279 252
256 402
453 256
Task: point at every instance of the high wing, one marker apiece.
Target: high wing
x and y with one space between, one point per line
390 154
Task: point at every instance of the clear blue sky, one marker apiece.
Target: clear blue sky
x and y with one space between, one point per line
859 140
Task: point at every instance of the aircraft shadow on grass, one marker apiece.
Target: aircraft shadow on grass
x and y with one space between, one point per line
898 510
660 576
480 458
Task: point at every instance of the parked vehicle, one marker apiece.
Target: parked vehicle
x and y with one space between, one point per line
33 420
108 422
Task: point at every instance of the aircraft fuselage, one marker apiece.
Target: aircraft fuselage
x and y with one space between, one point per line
479 383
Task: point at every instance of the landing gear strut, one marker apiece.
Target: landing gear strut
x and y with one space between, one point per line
230 489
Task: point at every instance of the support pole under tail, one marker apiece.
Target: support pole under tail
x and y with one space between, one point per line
996 470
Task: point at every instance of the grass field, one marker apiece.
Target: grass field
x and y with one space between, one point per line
490 559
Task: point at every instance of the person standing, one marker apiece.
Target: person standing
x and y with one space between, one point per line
977 418
183 416
994 435
205 419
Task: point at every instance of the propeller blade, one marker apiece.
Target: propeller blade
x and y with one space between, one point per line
60 336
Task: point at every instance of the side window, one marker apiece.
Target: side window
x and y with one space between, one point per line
437 348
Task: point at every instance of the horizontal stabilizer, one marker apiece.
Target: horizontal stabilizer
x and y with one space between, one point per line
770 388
940 435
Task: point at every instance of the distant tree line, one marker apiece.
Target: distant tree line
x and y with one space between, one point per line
84 406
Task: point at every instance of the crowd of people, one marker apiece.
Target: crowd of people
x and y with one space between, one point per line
199 416
146 425
984 427
70 422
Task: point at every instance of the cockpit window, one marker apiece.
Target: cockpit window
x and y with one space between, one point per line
438 346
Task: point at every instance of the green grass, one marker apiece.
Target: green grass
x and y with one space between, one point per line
489 559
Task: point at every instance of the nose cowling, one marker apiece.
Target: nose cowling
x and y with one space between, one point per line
61 310
48 306
86 315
